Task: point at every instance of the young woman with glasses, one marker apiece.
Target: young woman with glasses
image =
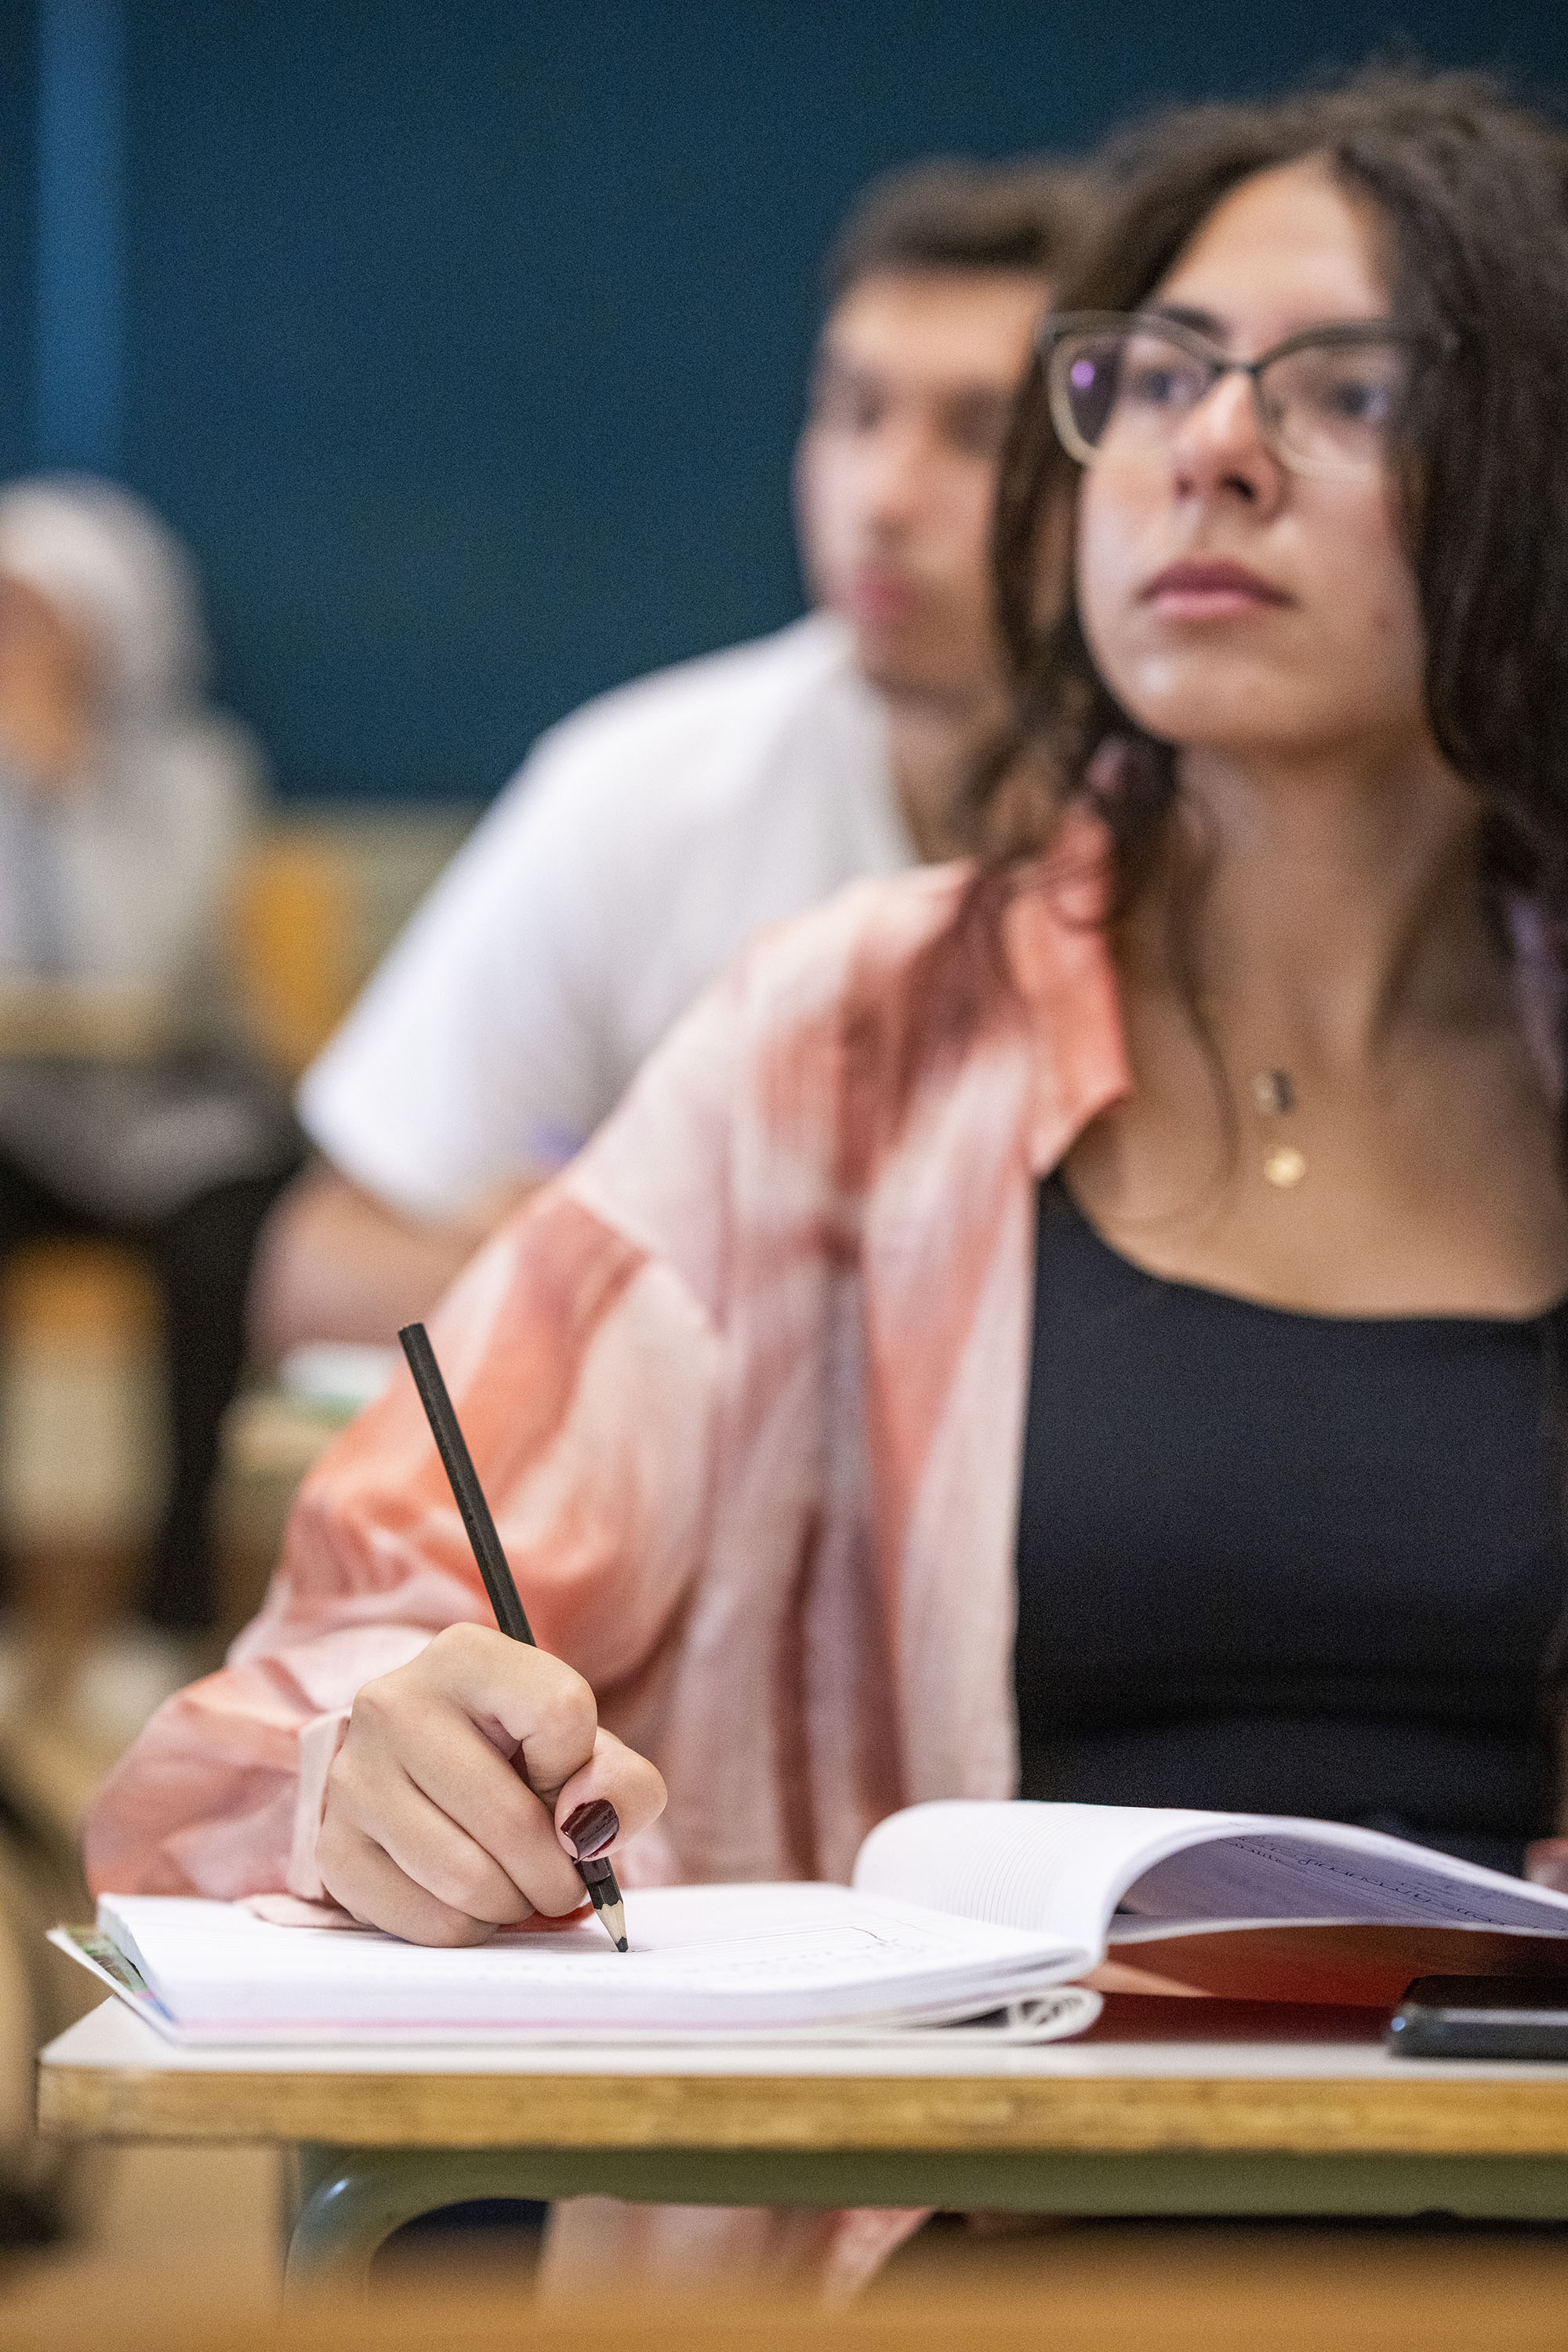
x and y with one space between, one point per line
1085 1320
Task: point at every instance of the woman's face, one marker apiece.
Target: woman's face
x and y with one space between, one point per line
1306 640
46 680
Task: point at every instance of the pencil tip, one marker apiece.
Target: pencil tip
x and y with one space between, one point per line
614 1917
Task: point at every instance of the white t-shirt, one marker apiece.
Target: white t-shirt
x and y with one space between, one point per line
623 868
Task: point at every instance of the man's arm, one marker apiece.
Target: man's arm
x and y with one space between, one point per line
335 1262
471 1067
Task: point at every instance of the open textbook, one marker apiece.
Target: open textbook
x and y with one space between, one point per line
957 1911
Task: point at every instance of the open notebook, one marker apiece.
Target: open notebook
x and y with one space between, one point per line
957 1911
705 1963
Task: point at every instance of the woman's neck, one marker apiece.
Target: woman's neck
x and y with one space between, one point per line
1332 904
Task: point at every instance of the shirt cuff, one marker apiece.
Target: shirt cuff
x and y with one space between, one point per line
319 1742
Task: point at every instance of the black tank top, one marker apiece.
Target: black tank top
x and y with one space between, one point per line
1286 1563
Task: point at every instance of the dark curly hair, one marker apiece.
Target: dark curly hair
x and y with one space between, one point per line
1473 191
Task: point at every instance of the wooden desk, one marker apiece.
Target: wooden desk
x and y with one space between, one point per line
1095 2126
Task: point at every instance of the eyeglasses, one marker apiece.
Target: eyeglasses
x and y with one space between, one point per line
1122 386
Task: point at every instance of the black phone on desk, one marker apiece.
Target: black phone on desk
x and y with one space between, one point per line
1481 2016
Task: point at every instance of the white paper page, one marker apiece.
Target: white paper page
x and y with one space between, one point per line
1058 1869
701 1957
1277 1869
1054 2015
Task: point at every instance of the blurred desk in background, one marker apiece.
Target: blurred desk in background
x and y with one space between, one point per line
1122 2288
320 897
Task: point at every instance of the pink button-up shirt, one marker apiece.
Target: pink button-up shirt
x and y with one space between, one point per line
745 1386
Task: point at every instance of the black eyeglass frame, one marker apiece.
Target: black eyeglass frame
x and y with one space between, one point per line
1344 335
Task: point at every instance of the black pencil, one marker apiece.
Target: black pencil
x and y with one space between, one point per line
511 1617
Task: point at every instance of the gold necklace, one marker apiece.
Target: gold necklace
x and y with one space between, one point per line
1274 1096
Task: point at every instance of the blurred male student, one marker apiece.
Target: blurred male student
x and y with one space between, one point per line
646 836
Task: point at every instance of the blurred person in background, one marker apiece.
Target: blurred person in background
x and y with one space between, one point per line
646 837
124 1111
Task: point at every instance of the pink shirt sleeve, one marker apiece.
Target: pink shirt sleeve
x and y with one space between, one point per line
582 1349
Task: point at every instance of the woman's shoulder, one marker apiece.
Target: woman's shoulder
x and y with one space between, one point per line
898 990
941 944
867 937
208 755
846 1012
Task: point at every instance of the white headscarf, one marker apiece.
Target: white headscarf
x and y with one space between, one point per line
120 880
109 567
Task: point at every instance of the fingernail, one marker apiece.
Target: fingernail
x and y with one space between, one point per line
591 1828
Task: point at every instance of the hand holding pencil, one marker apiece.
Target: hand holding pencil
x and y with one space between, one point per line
476 1787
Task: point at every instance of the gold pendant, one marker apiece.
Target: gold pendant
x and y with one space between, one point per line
1285 1167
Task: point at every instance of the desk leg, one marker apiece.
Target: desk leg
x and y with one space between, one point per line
351 2199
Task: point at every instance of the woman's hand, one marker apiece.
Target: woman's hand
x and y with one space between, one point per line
447 1804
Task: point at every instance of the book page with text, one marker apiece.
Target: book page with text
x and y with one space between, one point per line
1278 1869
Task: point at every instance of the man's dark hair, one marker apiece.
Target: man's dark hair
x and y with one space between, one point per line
956 213
1469 191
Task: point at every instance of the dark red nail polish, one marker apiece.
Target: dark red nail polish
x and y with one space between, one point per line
591 1828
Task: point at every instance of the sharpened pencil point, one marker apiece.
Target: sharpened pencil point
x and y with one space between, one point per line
614 1916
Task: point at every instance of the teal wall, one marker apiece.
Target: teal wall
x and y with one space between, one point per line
465 342
18 79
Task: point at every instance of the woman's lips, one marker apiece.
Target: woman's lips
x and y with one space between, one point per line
878 598
1199 591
